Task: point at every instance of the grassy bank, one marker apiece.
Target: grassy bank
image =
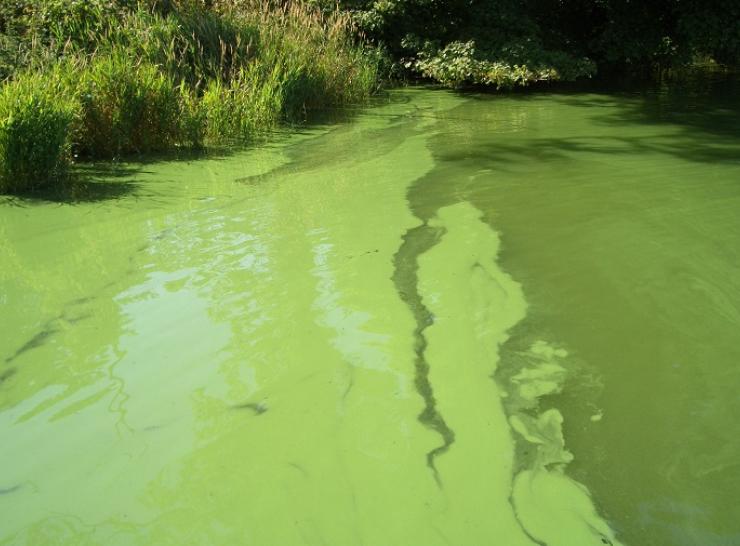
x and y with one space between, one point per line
103 78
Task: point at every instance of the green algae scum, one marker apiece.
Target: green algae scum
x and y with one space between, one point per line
451 320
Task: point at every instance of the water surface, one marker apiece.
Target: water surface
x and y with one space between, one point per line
453 319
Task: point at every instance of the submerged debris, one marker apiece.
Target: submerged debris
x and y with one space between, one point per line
257 407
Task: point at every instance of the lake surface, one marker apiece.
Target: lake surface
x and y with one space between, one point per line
450 320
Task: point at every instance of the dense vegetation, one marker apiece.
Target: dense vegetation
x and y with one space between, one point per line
102 78
507 43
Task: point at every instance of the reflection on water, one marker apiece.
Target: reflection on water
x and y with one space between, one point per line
452 320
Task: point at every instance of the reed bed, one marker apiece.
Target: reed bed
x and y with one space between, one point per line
103 79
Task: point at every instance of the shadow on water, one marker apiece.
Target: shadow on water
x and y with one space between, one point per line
101 180
696 118
96 181
703 101
500 156
86 184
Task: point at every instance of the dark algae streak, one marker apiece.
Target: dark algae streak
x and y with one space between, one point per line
9 490
36 341
7 374
416 241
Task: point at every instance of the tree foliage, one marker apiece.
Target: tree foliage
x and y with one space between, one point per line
506 43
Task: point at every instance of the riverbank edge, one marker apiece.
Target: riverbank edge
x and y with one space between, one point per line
104 81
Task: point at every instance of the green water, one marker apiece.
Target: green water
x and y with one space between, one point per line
453 319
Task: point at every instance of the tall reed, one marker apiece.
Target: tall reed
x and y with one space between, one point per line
128 105
149 75
35 120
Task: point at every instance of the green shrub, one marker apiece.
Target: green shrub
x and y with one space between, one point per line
127 106
35 118
458 65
